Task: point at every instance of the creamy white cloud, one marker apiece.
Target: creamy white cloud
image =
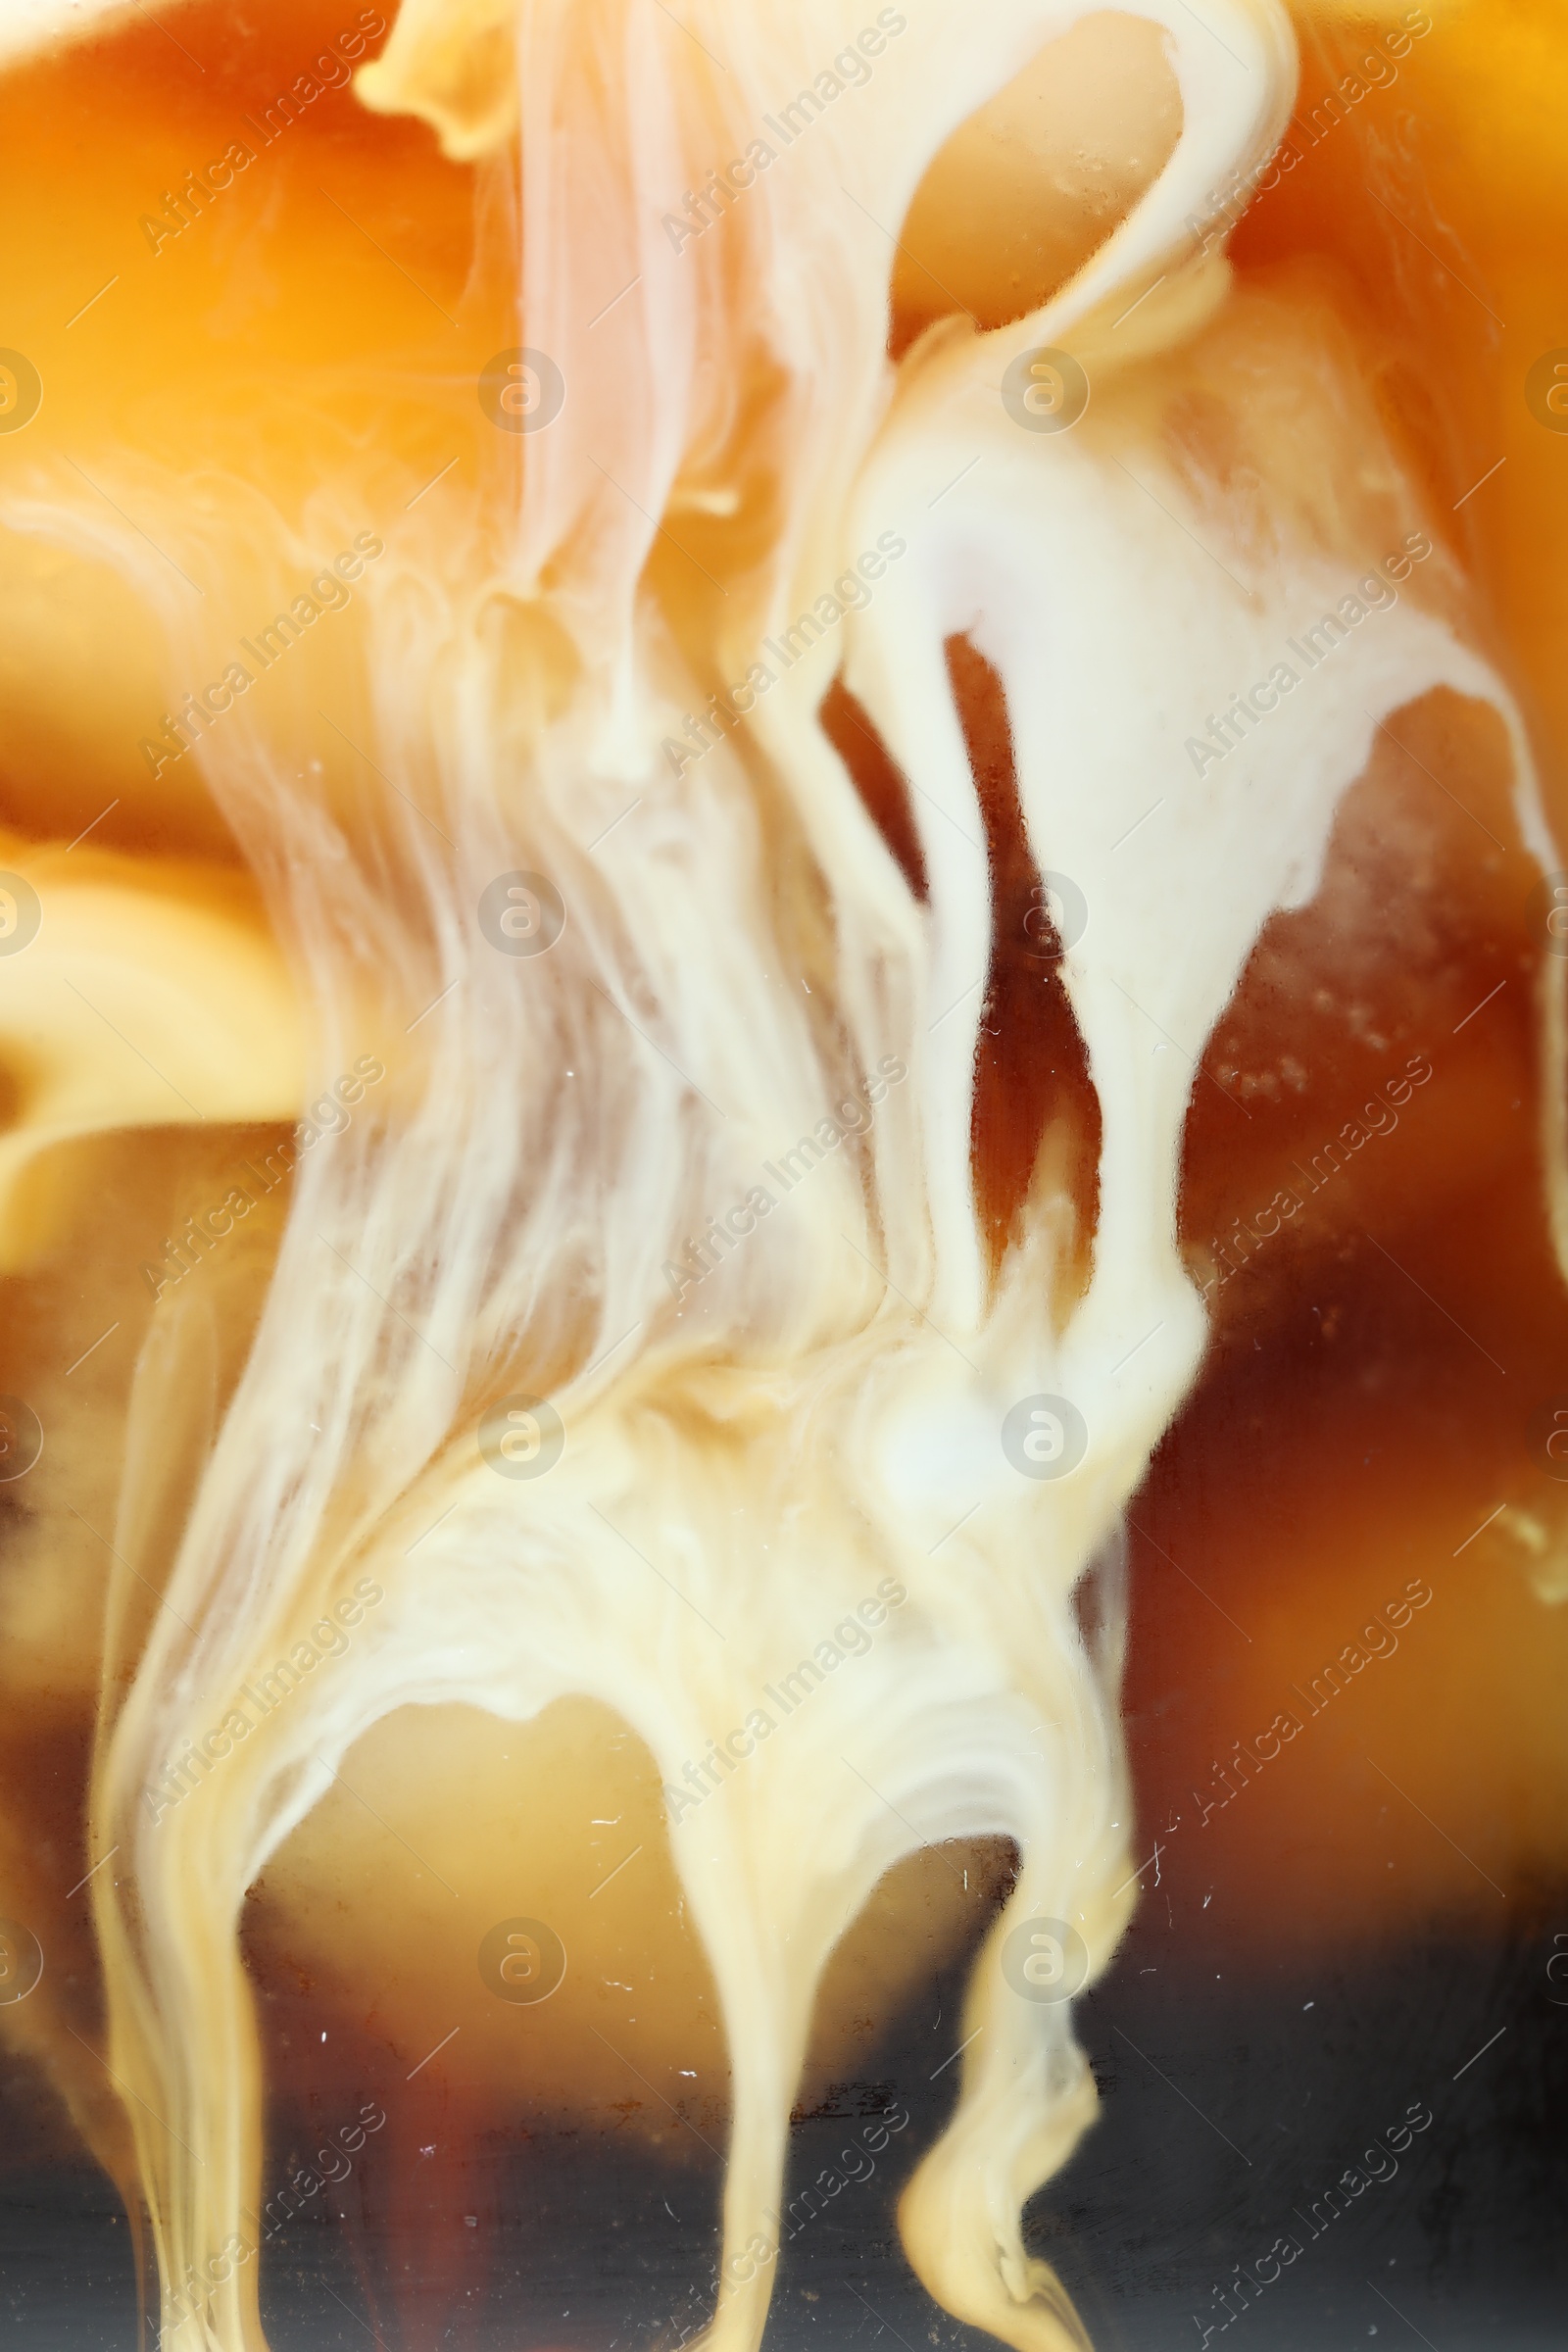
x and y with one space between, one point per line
742 946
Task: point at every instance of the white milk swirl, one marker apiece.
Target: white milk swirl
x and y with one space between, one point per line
821 1418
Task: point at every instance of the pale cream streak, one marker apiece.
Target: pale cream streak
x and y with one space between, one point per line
500 1195
27 26
1108 623
137 1004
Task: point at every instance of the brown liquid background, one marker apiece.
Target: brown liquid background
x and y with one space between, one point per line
1349 1433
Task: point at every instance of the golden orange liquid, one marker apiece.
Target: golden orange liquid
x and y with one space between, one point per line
1376 1367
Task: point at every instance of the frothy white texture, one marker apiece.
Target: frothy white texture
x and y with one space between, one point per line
742 1466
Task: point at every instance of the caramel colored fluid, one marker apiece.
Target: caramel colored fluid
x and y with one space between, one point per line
300 361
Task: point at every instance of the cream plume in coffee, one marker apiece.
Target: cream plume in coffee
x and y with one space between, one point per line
715 956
